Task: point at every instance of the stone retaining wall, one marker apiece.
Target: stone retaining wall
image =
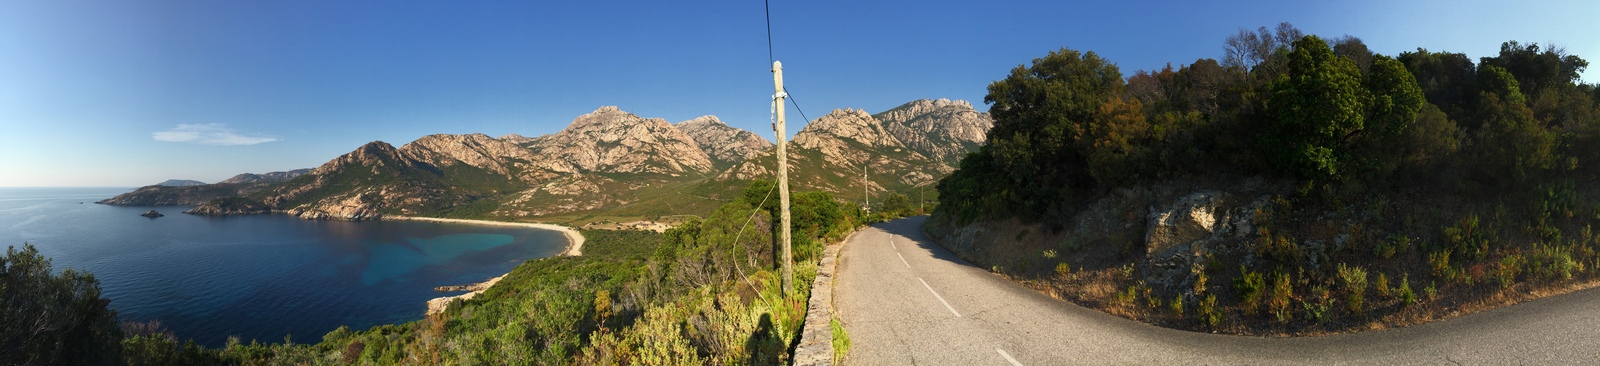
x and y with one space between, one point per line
816 341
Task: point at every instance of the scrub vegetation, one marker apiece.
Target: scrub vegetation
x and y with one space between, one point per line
1388 189
705 292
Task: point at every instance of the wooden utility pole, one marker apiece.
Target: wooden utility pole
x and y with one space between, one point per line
865 195
783 177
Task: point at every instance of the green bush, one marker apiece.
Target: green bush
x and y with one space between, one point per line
1381 285
1354 281
46 318
1251 287
1407 298
1279 298
1551 263
1510 266
1210 313
1467 238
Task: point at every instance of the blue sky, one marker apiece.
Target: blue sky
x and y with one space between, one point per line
129 93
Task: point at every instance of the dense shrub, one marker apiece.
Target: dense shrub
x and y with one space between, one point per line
46 318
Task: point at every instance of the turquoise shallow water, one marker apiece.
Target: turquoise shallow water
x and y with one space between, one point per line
259 277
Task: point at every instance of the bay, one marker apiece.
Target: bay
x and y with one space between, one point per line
259 277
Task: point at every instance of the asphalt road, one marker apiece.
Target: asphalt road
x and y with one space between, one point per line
906 301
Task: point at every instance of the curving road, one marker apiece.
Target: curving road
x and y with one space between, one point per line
906 301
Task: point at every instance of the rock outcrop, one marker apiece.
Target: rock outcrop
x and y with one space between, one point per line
361 184
605 159
611 140
722 143
1179 236
151 214
943 130
834 151
230 206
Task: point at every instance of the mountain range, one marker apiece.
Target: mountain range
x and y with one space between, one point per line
606 164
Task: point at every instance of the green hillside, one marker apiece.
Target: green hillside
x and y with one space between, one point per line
1301 186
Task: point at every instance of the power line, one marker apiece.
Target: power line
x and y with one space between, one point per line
770 58
796 104
768 4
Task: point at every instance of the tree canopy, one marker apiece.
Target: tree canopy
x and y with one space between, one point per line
1282 104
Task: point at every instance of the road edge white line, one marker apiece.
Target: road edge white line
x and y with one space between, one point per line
891 244
903 259
941 298
1008 357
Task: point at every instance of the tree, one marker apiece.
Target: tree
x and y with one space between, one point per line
1316 105
1352 48
1510 146
1447 79
896 205
1040 113
1118 142
1247 50
1537 69
48 319
1395 103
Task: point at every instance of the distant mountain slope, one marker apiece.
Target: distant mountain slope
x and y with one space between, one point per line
608 163
722 143
156 195
834 151
180 183
613 141
943 130
266 177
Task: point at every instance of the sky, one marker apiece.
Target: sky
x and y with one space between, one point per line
131 93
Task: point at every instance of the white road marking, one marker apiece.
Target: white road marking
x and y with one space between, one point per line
891 244
1008 357
902 259
941 298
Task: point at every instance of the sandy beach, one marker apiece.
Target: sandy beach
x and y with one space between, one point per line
574 239
437 305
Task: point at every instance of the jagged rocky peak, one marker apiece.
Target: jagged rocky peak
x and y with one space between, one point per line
723 143
615 141
942 129
851 124
373 153
477 150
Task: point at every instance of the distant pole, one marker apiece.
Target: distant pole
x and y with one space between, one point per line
783 177
865 195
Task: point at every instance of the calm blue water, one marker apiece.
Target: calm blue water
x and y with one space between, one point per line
259 277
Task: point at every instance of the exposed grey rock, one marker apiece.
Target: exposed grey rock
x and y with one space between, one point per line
611 140
943 130
723 143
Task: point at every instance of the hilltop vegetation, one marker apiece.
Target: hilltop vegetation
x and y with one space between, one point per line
1301 185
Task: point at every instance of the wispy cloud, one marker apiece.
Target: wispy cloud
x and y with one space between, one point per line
208 134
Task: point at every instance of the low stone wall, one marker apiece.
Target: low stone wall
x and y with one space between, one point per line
816 340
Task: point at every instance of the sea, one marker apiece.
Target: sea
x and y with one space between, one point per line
259 277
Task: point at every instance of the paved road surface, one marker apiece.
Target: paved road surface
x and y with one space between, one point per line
906 301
